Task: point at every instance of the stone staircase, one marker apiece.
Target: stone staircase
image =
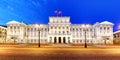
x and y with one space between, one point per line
60 45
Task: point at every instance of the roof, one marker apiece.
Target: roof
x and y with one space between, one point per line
106 22
116 32
3 26
12 22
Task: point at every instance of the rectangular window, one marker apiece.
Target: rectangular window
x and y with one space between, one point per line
81 41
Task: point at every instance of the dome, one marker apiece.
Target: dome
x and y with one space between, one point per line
106 22
13 22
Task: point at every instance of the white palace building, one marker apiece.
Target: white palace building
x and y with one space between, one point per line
59 30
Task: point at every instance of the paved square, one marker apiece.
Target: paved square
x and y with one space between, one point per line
60 53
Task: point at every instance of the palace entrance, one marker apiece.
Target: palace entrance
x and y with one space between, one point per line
59 40
55 40
64 41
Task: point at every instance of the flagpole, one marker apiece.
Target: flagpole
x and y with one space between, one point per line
57 15
61 14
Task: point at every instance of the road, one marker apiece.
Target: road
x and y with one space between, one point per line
70 53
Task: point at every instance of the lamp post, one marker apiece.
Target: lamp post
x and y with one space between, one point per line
85 26
85 39
38 26
39 38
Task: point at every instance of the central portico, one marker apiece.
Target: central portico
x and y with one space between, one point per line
59 30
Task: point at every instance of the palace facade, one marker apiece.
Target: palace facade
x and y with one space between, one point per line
60 30
3 34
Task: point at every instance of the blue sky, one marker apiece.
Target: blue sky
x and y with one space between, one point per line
80 11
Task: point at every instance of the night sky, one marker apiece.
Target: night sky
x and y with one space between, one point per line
80 11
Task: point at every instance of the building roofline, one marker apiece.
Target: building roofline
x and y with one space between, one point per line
116 32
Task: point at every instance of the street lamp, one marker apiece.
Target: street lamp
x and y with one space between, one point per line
39 26
85 26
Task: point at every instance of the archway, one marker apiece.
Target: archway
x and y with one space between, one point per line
64 40
59 39
55 40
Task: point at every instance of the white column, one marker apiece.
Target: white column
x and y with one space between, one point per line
61 39
57 39
66 39
52 40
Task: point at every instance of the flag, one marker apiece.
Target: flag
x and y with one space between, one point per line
59 12
56 12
